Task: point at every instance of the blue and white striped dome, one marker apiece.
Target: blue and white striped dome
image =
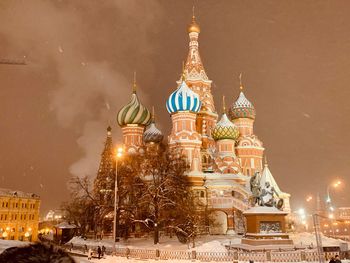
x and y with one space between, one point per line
183 99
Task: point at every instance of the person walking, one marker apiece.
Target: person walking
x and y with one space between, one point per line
90 254
99 252
103 250
337 259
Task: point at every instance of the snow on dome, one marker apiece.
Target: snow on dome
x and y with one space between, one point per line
183 99
134 113
225 129
152 134
242 108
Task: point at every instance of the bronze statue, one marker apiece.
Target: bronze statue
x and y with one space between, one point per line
255 189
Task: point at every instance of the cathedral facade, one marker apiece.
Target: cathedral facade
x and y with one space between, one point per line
222 151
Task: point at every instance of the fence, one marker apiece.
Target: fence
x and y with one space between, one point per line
228 256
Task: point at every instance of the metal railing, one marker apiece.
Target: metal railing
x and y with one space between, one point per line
309 255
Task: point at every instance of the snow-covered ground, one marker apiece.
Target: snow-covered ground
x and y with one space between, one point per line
4 244
204 243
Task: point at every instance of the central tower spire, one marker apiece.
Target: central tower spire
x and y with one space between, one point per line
198 81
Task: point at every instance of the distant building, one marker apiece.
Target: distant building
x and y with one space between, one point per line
343 213
54 215
19 215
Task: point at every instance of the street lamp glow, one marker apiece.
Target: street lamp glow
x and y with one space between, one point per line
119 152
301 211
337 184
309 198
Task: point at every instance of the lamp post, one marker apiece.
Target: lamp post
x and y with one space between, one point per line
118 155
335 185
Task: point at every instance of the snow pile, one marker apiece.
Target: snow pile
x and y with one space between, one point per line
212 246
308 239
4 244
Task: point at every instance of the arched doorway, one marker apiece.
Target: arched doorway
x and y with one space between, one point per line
219 226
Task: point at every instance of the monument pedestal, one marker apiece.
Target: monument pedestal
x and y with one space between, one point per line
266 226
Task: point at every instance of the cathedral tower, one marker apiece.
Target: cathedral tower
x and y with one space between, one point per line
183 105
198 81
249 148
133 118
225 133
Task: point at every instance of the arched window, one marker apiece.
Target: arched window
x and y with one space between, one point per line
202 194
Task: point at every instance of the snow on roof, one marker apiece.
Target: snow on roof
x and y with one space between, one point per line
267 177
12 193
66 225
264 210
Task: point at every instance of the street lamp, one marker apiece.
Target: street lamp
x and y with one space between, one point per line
335 185
118 155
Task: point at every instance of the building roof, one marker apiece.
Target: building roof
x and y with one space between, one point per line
267 177
242 108
134 112
225 129
20 194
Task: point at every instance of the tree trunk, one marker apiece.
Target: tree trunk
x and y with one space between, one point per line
156 226
156 234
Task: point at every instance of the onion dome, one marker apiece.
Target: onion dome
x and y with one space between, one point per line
134 112
183 99
225 129
194 27
242 108
152 133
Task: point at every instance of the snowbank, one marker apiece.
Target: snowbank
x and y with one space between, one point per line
4 244
212 246
308 239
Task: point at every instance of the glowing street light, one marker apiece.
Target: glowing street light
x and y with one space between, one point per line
334 185
309 198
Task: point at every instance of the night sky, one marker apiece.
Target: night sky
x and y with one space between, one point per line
81 55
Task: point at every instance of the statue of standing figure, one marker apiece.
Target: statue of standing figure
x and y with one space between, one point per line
255 189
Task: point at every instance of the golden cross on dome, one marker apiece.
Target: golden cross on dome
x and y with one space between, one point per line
193 16
153 115
134 84
183 71
240 81
223 104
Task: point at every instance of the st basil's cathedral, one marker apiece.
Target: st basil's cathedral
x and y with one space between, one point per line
222 151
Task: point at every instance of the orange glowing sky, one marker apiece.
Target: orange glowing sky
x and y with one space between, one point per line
294 55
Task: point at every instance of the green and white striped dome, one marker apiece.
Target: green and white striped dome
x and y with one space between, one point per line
134 113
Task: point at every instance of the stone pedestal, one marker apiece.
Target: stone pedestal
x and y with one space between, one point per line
266 226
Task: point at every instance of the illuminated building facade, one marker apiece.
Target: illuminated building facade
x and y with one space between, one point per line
223 152
19 215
